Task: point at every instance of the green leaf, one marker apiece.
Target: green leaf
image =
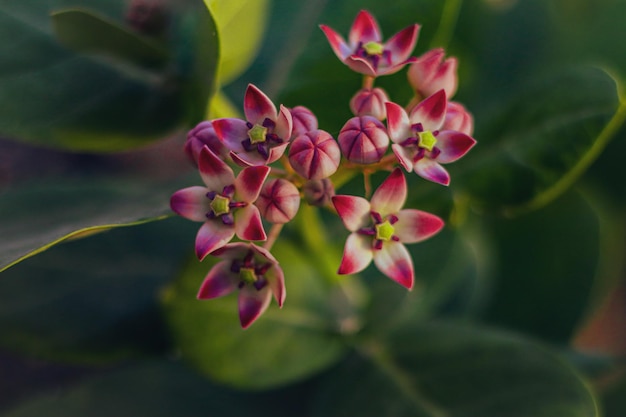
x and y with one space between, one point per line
282 346
94 300
35 217
543 141
446 370
86 32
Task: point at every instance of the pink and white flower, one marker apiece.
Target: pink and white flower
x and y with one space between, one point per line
225 204
418 143
365 51
431 73
252 270
260 139
380 228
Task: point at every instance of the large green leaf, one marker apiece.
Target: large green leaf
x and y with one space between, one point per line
543 141
100 101
444 370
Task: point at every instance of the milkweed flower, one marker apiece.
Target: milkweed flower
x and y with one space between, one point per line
365 51
250 269
418 143
279 201
260 139
369 102
363 140
225 204
380 228
431 73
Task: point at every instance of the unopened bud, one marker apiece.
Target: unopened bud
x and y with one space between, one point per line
201 135
318 192
363 140
279 201
315 155
303 121
458 118
370 102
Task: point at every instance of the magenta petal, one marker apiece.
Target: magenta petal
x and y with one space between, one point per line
415 225
357 254
219 281
191 203
337 43
432 171
395 261
360 65
276 281
364 29
276 152
252 303
248 225
401 45
398 124
212 235
453 145
390 196
249 182
404 156
354 211
392 69
284 123
431 112
214 172
231 132
257 106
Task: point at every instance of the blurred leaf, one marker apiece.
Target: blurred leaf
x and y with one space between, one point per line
280 347
452 370
240 24
150 389
93 300
34 218
84 31
60 98
543 141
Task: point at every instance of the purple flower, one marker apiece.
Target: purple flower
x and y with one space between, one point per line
419 145
381 227
252 270
365 51
260 139
224 205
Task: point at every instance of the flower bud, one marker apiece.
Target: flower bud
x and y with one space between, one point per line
363 140
279 201
303 121
369 102
201 135
458 118
431 73
318 192
314 155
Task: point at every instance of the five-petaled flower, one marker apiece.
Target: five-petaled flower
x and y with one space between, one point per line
260 139
365 52
252 270
224 205
380 228
418 143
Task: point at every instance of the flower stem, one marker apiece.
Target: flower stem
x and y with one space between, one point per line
368 82
273 235
367 183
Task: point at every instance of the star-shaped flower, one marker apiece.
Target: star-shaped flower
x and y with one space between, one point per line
381 227
365 51
252 270
225 205
419 145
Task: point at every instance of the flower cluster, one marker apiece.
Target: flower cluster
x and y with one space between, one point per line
282 158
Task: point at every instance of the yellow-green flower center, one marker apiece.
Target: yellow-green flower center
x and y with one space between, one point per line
374 48
384 231
427 140
219 205
247 275
257 134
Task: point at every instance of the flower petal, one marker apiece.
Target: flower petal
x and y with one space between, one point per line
430 112
284 124
212 235
248 225
231 132
390 196
398 124
360 65
404 156
219 281
249 182
357 254
415 225
257 106
191 203
252 303
432 171
395 261
276 152
395 67
401 45
276 279
364 29
354 211
453 145
214 172
339 46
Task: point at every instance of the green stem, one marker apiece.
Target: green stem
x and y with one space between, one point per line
447 24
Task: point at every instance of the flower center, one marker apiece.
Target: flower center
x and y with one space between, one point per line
373 48
220 205
427 140
247 275
257 134
384 231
